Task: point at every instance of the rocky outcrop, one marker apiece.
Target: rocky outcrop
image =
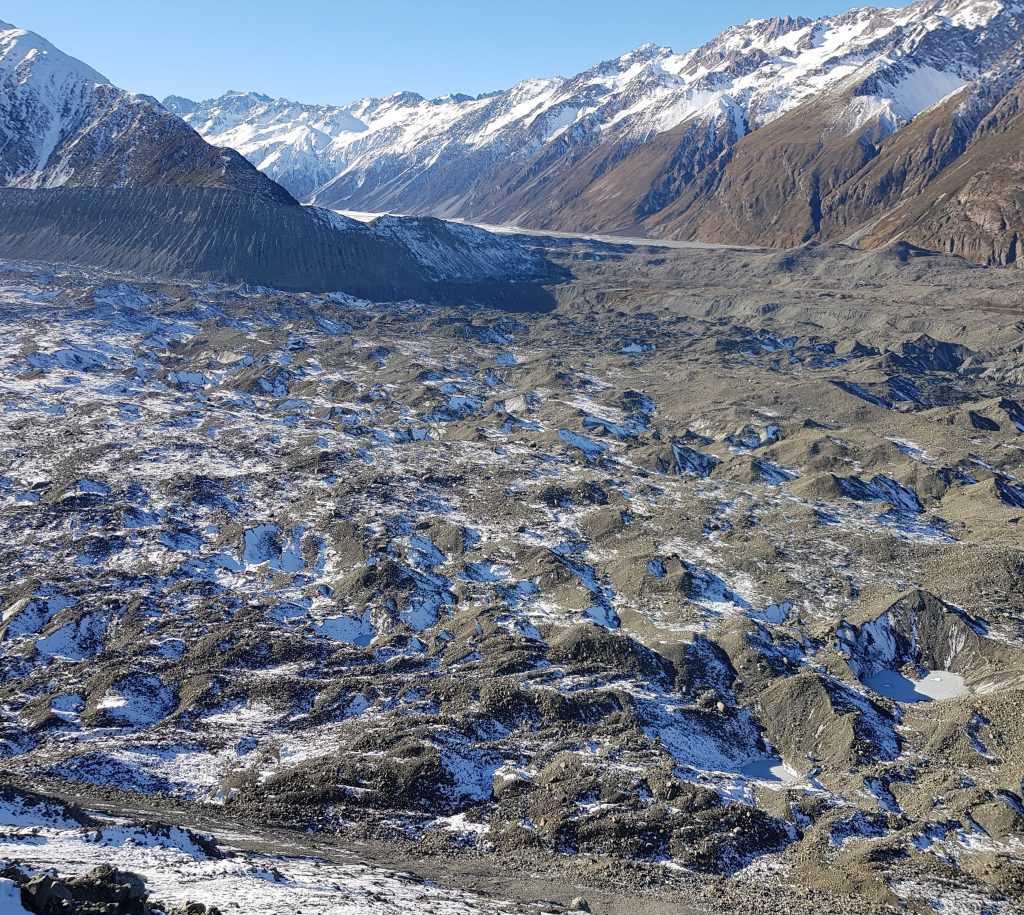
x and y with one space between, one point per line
101 891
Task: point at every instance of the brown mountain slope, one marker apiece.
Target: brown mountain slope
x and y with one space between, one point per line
597 187
771 190
905 164
975 208
951 180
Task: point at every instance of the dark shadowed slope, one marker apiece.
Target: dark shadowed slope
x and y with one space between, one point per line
208 234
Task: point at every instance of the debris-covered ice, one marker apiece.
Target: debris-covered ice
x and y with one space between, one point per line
444 576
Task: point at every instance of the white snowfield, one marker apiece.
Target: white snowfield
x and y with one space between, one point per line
745 78
178 870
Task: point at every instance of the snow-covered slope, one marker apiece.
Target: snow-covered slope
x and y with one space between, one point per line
42 87
520 155
63 123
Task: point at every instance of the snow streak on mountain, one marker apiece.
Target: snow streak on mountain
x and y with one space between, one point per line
64 124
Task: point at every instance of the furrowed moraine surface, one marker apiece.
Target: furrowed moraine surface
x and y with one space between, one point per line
703 587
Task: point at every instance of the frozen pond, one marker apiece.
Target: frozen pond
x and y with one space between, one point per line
936 684
772 770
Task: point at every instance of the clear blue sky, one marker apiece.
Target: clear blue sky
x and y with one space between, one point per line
338 50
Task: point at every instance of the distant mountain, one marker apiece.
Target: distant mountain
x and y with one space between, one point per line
780 131
64 124
93 176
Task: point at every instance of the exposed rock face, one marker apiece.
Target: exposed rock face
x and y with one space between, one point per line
64 124
975 208
885 124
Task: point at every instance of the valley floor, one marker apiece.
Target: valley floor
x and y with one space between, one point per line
702 589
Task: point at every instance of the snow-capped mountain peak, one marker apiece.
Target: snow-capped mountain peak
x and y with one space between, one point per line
40 84
62 122
18 46
520 155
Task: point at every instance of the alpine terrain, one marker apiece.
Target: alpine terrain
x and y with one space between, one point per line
366 566
878 124
63 124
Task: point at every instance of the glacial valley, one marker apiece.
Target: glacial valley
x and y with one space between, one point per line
700 587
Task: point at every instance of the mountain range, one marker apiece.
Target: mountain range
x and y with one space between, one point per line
875 125
98 177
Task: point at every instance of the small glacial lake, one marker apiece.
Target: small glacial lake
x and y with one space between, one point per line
936 684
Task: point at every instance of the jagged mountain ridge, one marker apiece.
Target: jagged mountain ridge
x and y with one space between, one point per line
763 135
64 124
